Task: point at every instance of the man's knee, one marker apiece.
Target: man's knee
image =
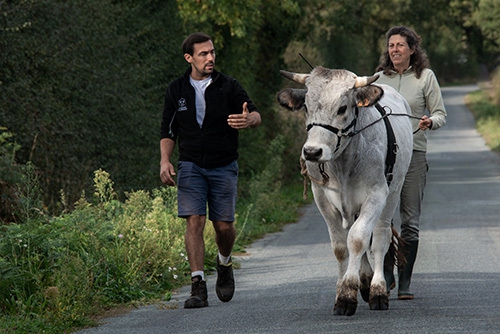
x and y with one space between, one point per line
224 228
195 224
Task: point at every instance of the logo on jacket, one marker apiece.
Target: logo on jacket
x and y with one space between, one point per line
182 104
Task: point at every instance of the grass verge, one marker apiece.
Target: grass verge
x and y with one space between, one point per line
487 117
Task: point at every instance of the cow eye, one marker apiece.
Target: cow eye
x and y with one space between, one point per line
342 110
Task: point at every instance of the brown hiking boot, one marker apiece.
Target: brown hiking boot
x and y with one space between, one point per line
199 296
225 281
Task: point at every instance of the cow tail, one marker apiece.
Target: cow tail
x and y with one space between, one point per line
396 250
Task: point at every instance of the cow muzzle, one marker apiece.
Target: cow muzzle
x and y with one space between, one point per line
312 153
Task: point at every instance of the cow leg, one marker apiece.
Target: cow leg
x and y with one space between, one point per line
379 299
358 241
347 291
338 238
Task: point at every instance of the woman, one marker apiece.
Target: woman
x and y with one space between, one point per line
404 66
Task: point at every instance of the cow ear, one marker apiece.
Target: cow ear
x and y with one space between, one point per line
292 98
369 95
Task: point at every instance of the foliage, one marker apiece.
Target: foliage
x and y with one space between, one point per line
82 81
487 117
61 270
10 174
65 268
486 19
495 89
262 190
350 34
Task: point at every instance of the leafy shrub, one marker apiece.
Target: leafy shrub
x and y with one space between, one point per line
495 91
58 271
487 115
65 268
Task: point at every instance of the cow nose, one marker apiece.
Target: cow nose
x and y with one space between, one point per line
312 154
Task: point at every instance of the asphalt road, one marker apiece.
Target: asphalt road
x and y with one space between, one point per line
287 282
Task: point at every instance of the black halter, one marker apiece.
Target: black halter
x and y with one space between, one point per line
339 132
392 146
343 132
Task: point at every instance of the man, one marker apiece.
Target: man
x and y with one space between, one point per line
203 111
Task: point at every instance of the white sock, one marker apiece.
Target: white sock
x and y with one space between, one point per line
224 259
198 273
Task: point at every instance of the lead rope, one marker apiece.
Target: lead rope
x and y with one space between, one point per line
306 175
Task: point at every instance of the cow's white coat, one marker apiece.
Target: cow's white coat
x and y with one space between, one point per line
355 201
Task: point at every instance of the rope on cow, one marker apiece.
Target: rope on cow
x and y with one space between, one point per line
306 175
303 171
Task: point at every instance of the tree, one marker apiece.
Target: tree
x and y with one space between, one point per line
485 17
82 87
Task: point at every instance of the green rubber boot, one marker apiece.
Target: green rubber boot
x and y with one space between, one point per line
411 248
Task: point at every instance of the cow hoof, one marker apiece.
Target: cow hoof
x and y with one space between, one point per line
379 303
345 308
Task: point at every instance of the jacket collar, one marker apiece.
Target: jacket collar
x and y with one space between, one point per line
406 72
186 75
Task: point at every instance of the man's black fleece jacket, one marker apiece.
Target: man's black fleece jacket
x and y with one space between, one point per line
215 144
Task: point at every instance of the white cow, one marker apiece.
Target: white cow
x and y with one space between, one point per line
354 130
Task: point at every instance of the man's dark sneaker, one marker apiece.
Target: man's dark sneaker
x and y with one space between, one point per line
225 281
199 296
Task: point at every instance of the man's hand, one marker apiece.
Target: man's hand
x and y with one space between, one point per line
166 172
244 120
425 123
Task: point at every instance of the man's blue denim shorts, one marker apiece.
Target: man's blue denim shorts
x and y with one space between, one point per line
198 186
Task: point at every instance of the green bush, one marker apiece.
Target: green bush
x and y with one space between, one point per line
65 268
495 91
487 115
58 271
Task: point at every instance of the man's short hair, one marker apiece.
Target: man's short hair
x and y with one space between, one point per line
191 40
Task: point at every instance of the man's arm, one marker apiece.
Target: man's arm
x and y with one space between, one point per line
167 170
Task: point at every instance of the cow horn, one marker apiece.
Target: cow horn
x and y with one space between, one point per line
365 81
297 77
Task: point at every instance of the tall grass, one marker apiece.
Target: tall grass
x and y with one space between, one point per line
487 115
65 268
57 272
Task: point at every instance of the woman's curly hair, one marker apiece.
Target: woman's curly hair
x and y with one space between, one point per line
418 59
